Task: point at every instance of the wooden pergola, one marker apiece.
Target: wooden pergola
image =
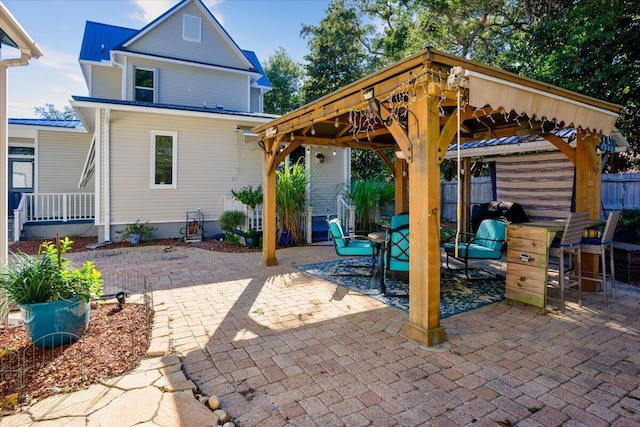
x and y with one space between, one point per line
414 108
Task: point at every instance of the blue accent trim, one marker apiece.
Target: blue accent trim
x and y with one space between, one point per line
74 221
70 124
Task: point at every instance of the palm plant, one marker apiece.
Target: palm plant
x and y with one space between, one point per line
291 199
368 197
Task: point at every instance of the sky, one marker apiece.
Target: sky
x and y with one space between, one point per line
57 27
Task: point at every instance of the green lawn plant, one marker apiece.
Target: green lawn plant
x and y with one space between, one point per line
369 197
291 199
49 276
143 229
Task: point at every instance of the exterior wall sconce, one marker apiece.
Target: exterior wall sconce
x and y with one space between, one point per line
320 158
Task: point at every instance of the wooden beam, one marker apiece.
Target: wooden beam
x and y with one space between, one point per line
561 145
386 160
401 191
424 211
588 175
450 129
278 158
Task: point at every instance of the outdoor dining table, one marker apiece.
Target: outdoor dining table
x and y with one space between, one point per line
528 259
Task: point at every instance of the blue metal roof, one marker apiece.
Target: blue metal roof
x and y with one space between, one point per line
176 107
508 140
70 124
100 39
264 80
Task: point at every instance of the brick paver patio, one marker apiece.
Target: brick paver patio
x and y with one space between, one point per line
280 347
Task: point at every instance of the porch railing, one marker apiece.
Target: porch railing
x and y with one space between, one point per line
50 207
347 214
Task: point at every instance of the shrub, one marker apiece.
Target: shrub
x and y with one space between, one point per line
144 230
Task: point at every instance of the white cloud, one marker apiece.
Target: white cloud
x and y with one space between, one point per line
148 10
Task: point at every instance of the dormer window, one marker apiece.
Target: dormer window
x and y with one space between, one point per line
144 85
191 28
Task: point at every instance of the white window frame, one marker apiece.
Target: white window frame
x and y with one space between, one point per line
155 83
191 24
174 160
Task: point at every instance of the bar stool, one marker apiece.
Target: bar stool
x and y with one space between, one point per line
570 243
598 246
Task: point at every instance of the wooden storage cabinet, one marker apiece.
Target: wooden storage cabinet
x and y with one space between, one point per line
527 263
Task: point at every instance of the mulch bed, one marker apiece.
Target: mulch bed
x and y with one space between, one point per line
115 342
80 244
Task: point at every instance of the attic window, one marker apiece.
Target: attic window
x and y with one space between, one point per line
191 28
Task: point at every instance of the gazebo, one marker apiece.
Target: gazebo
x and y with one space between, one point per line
417 108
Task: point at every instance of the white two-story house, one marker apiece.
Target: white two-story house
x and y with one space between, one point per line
163 132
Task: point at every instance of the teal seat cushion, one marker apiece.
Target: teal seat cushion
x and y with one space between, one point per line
472 251
356 248
491 234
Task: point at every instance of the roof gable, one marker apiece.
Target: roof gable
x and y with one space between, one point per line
164 37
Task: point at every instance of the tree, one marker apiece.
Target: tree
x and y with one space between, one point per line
286 79
336 54
49 112
589 47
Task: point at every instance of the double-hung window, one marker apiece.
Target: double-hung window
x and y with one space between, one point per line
164 159
145 85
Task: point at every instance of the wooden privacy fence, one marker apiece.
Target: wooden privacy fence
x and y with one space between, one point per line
618 191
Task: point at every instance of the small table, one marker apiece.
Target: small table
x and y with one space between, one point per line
379 238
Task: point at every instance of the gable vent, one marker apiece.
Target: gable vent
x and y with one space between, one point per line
191 28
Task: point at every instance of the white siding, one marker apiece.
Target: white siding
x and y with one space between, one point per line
212 160
255 101
106 82
61 156
166 40
327 179
194 86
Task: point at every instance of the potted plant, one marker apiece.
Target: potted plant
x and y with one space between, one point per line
251 238
137 232
53 295
291 202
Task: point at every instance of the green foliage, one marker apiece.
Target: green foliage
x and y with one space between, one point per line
629 221
248 196
49 276
144 230
367 165
369 197
230 220
291 200
336 56
286 80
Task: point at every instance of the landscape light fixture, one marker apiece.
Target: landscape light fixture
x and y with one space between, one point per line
320 157
262 147
121 297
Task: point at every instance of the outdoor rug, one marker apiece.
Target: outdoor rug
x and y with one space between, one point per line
457 294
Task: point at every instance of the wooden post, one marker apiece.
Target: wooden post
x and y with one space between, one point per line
588 177
269 212
424 211
402 200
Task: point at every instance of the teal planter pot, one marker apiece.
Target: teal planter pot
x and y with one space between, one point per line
52 324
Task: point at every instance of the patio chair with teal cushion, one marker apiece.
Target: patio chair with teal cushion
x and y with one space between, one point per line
488 243
396 255
351 246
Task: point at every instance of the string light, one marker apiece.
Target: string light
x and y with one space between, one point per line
334 151
337 124
313 130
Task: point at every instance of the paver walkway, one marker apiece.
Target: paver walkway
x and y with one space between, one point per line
280 347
